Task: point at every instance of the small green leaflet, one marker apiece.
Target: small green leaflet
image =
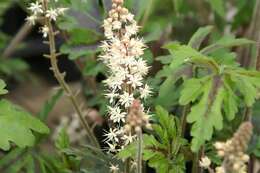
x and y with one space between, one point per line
226 41
199 36
62 141
192 89
49 105
2 87
17 126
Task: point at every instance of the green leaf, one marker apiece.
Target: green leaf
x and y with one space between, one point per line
164 59
246 88
181 53
12 66
167 87
17 126
18 165
42 165
163 151
2 87
30 166
83 36
206 115
225 42
62 142
75 52
191 90
199 36
177 5
49 105
218 6
10 157
128 152
230 103
93 68
206 62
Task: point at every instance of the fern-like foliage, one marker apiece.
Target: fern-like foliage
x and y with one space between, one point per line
163 149
214 85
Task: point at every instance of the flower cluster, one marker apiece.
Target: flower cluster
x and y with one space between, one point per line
205 162
39 11
73 128
122 55
233 151
136 119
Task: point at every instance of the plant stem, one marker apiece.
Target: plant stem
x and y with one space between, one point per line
139 152
195 163
21 34
60 78
127 166
183 119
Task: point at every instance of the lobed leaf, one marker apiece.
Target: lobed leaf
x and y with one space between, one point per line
17 126
206 114
191 90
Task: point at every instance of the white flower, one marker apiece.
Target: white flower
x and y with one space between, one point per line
114 82
116 25
116 115
111 96
36 8
45 31
128 139
31 19
61 11
114 168
52 14
141 67
131 29
219 145
109 33
137 47
122 55
145 91
112 135
205 162
220 170
135 80
111 147
108 29
105 46
130 17
126 99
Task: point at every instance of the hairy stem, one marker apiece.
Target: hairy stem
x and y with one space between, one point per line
139 152
60 78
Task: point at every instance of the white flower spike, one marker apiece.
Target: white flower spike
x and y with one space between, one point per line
122 51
